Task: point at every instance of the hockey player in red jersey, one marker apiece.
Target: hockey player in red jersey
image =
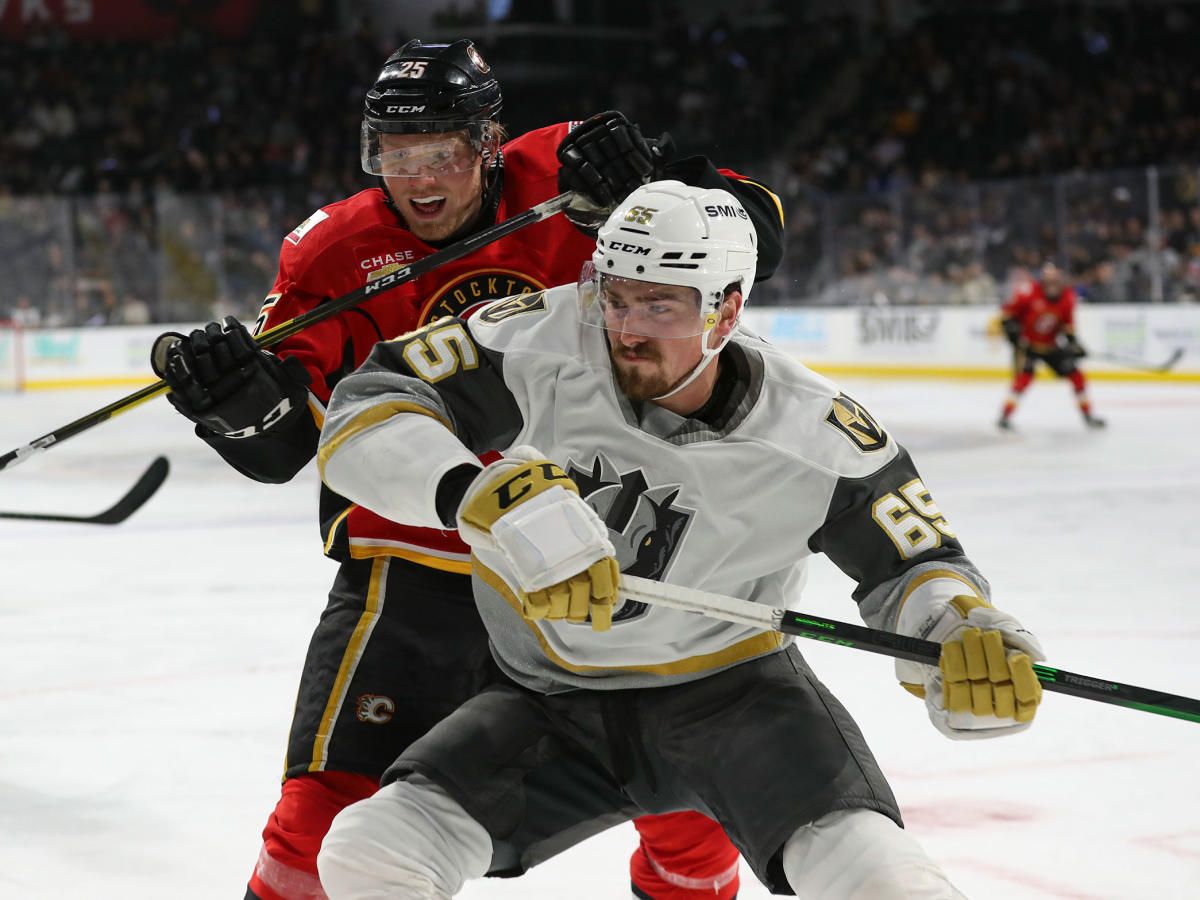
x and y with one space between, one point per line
1039 321
381 669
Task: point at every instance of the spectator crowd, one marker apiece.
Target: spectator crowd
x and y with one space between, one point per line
932 160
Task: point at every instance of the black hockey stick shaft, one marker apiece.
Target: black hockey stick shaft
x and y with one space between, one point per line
133 500
898 646
322 312
1059 681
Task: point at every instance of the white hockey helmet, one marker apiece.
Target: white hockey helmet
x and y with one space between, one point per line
670 233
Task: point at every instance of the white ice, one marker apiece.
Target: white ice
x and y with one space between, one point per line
148 670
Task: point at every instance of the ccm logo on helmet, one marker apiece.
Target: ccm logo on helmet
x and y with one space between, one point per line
629 248
732 212
405 109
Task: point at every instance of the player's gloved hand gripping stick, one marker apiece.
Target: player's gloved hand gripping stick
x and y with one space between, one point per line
528 510
916 650
324 311
222 380
984 684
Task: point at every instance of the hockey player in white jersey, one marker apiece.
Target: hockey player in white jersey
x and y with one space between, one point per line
671 445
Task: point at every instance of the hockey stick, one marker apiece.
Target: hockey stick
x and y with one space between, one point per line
860 637
1140 364
142 491
322 312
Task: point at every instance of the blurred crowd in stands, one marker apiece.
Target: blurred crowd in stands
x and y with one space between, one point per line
935 160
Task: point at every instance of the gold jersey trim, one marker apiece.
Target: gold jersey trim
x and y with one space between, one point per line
376 415
350 659
337 523
770 193
933 575
758 645
366 549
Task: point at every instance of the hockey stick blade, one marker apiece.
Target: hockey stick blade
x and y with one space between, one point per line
898 646
319 313
142 491
1141 365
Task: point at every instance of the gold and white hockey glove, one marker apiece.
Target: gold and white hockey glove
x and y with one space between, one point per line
528 510
984 685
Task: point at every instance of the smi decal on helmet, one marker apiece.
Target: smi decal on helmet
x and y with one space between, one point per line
733 212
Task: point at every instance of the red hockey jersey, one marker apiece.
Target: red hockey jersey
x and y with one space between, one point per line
1041 318
352 242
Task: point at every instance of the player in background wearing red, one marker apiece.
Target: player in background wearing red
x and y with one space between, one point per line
1039 321
400 644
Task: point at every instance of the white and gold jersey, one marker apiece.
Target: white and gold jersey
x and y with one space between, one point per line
780 467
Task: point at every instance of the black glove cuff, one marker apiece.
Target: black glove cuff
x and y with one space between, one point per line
451 490
662 151
261 405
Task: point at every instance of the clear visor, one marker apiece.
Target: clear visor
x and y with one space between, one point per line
412 155
627 306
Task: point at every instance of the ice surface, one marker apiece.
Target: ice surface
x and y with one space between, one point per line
148 670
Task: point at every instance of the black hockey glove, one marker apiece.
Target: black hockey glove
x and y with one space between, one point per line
1012 331
1071 345
604 159
223 381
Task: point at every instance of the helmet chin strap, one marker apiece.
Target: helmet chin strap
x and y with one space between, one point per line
706 357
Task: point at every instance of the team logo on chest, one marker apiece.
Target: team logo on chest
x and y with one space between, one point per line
459 296
644 524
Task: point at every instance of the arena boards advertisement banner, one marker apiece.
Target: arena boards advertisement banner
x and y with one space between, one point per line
948 342
966 342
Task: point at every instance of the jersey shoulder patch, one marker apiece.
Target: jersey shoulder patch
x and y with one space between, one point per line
499 310
297 234
857 425
542 322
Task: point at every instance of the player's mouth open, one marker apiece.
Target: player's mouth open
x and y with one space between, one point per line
427 206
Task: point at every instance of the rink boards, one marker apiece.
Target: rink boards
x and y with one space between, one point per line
946 342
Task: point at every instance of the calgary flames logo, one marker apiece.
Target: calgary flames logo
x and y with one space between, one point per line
374 708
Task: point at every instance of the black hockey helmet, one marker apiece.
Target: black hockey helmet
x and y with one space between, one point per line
431 89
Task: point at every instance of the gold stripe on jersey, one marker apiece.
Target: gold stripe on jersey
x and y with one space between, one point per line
933 575
260 324
770 193
317 410
341 517
376 415
360 549
350 658
749 648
